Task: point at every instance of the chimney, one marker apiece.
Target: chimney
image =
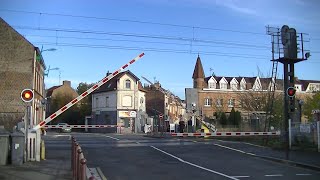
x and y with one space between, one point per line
66 83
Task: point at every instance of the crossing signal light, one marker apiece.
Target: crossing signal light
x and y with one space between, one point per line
27 95
291 91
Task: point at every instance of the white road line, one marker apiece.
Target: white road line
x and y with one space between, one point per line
230 148
200 167
251 154
241 176
273 175
113 138
138 142
303 174
254 145
101 174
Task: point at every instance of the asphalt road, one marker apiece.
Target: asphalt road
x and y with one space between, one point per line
138 157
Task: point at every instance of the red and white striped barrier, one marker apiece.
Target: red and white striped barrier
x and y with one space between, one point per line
80 126
228 134
86 93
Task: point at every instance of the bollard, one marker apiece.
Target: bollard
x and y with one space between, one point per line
83 162
43 150
72 153
75 164
79 152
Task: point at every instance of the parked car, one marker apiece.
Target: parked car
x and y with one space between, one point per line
64 129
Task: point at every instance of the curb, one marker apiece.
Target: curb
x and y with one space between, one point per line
292 163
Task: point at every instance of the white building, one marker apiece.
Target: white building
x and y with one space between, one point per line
121 101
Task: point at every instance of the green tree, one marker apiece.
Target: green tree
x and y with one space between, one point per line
85 105
311 103
71 115
237 118
223 118
231 118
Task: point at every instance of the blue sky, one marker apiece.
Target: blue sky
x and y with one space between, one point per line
169 34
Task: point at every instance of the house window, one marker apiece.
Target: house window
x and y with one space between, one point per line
212 85
231 102
107 101
128 84
207 102
97 102
223 85
219 102
126 101
234 86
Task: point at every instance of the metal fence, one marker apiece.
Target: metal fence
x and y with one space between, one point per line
304 134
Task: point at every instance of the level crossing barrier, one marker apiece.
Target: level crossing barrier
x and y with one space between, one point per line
226 134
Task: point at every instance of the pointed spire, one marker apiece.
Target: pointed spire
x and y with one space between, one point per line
198 69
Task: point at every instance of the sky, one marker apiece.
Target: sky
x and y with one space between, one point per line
94 37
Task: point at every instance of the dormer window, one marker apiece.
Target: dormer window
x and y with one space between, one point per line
223 85
234 86
128 84
212 85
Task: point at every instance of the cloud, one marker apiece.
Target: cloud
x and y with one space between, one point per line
236 5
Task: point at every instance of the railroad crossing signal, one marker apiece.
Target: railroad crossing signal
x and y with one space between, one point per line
160 116
291 91
27 95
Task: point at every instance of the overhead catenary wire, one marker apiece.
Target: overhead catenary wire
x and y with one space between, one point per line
180 51
139 36
151 42
133 21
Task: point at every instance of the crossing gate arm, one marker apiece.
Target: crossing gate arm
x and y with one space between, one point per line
225 134
86 93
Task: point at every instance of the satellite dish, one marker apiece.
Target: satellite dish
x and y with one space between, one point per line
284 36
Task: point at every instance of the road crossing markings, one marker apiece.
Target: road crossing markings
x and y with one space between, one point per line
303 174
273 175
112 138
200 167
241 176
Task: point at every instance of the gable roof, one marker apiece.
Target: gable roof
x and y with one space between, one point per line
111 85
50 90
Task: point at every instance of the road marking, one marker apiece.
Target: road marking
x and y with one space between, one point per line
273 175
241 176
254 145
303 174
230 148
113 138
195 141
251 154
200 167
101 174
138 142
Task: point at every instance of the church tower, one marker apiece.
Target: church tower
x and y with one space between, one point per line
198 75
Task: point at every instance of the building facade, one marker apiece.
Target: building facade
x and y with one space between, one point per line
64 90
162 102
121 101
21 67
247 95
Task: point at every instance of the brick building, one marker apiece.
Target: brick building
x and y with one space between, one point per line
62 90
21 66
161 101
221 93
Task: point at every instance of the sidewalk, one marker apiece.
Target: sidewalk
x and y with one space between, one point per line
57 166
